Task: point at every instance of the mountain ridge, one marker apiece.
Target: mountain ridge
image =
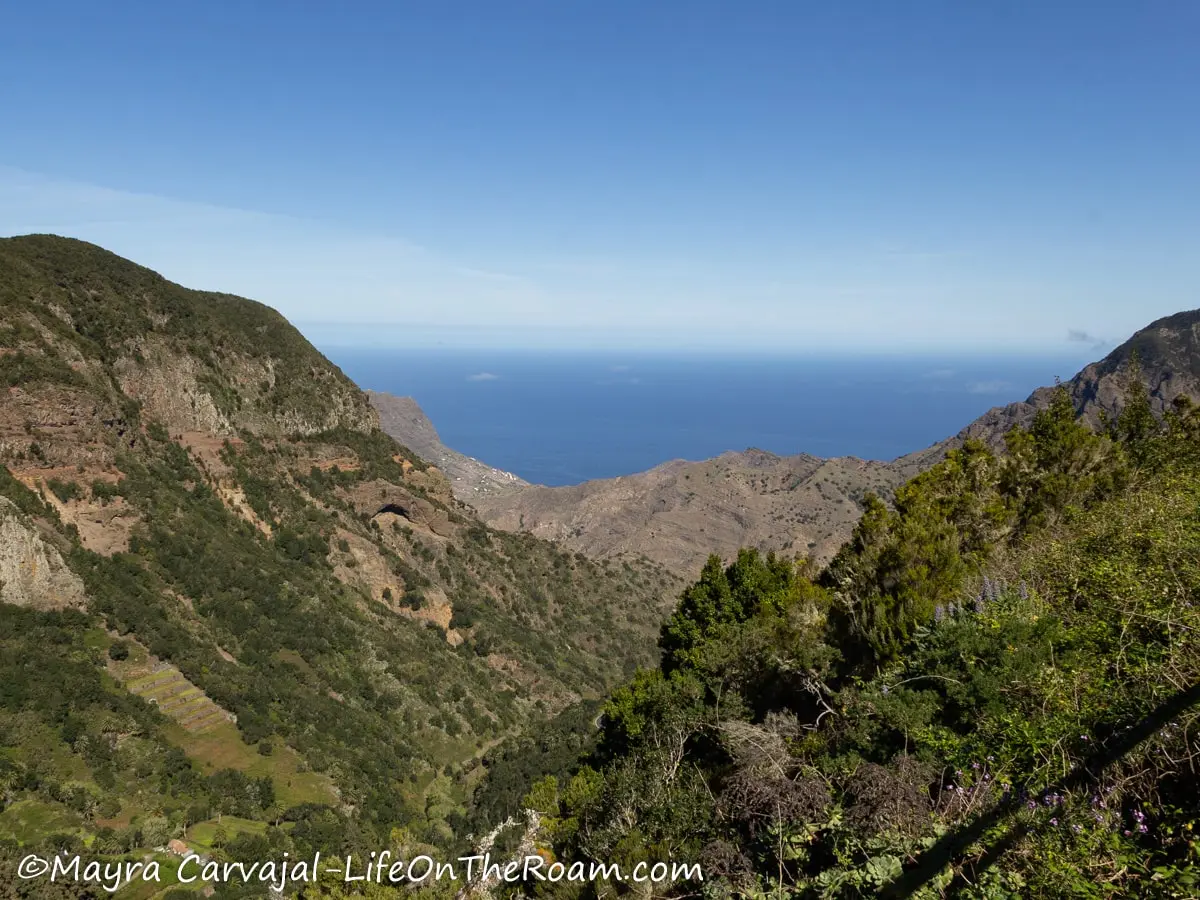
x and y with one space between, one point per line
1168 353
640 512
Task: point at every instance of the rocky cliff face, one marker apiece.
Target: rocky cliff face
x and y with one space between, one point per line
32 571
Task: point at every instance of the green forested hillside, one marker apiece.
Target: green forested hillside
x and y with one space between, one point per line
232 610
990 692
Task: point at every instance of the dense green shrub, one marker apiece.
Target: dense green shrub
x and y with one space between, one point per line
990 692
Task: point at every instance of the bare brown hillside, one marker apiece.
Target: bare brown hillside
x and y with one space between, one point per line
675 514
680 512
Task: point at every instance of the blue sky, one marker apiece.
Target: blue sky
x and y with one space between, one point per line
760 175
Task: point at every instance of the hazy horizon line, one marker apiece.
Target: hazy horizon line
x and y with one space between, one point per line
410 337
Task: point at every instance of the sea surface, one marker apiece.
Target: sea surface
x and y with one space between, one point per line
559 418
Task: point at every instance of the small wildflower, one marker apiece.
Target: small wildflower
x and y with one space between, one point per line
939 613
1054 822
1024 591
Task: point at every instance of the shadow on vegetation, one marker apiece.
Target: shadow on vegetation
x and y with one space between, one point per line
953 844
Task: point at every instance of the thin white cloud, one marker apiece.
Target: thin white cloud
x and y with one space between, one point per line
483 376
989 387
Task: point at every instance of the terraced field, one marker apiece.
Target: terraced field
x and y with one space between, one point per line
178 698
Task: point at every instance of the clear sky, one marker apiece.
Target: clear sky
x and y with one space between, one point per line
783 175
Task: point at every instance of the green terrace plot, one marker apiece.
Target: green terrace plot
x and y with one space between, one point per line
178 698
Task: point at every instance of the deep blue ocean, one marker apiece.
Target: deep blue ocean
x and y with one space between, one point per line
558 418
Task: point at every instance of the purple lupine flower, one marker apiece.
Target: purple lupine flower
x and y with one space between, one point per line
939 613
979 605
990 589
1024 591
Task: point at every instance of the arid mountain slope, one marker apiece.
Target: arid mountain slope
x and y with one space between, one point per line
680 512
675 514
